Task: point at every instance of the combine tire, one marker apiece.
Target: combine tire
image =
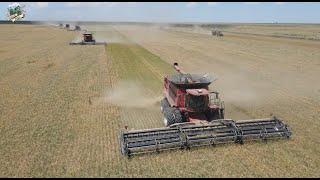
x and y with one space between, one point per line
164 104
172 116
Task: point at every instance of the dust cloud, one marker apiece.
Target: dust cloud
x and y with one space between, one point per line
128 94
105 33
239 88
110 38
198 29
78 38
143 33
234 86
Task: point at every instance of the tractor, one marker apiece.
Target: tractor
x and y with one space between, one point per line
194 116
88 40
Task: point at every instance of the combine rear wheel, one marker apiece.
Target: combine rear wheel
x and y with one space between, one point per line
172 116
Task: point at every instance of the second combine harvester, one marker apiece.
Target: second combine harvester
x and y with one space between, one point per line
194 116
88 39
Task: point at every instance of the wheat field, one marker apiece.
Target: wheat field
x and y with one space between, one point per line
62 106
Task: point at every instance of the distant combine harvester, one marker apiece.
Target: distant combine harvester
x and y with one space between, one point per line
216 32
88 39
76 28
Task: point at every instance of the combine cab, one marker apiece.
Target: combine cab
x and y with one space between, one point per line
61 26
67 26
216 33
194 116
88 40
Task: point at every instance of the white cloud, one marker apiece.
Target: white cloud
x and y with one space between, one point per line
39 4
279 3
213 3
251 2
76 4
134 3
191 4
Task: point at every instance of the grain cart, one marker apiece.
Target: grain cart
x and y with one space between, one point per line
216 33
88 40
194 116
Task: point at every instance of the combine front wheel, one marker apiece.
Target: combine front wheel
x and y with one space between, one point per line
172 116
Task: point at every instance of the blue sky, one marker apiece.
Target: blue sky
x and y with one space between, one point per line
261 12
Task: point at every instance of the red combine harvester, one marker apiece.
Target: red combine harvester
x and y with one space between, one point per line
88 40
194 116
